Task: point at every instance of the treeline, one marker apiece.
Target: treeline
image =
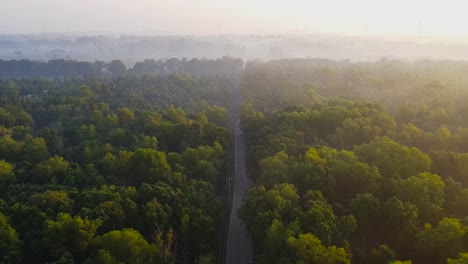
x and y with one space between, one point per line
112 171
138 93
389 82
348 172
225 66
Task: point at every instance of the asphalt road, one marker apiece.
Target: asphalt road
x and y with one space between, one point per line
239 246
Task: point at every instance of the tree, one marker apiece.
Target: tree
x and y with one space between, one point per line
10 149
156 215
148 165
263 206
276 239
217 115
453 204
450 164
70 234
442 241
410 135
274 170
126 116
9 92
309 173
51 171
381 254
126 246
461 204
462 258
53 202
307 248
35 150
7 174
366 208
166 246
348 175
392 158
319 219
117 68
10 245
400 220
426 191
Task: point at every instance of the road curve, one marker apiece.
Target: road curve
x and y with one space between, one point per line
239 246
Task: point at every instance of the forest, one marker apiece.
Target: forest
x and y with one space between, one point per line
356 162
121 170
352 162
61 68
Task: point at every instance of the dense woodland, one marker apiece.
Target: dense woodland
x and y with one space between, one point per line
357 162
124 170
362 162
61 68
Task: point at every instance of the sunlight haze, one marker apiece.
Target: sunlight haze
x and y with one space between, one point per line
234 131
361 17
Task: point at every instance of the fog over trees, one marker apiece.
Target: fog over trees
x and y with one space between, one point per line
233 132
351 162
131 48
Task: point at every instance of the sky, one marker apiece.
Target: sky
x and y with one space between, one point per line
350 17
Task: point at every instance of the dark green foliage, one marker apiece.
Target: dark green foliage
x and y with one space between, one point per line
10 245
68 68
372 156
361 162
123 170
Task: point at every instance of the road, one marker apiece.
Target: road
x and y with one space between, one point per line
239 246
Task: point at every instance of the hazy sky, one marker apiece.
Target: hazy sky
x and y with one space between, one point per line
235 16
